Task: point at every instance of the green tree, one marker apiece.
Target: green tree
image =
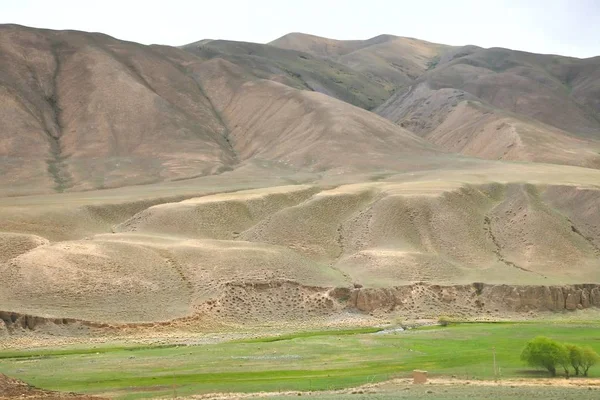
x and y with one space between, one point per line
546 353
575 357
589 359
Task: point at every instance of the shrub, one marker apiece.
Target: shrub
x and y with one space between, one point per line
575 356
589 358
546 353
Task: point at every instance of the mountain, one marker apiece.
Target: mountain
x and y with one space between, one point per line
85 111
491 103
297 69
229 183
504 104
390 60
460 122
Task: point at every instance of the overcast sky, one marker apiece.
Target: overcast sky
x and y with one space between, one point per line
550 26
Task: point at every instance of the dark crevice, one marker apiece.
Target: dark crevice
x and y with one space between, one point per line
340 243
588 239
57 167
171 262
487 227
226 131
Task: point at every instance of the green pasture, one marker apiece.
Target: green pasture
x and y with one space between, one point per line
304 361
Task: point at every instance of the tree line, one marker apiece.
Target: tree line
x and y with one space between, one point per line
550 354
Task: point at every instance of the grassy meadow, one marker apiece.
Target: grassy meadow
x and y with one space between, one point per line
304 361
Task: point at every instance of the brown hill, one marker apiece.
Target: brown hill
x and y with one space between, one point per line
391 60
297 69
90 111
306 130
556 90
460 122
489 103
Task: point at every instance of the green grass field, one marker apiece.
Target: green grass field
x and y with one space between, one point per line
304 361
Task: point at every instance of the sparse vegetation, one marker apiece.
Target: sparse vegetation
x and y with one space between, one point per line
433 63
446 320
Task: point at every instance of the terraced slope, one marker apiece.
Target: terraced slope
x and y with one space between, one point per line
277 252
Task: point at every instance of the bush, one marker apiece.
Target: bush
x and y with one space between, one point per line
445 321
575 357
546 353
589 358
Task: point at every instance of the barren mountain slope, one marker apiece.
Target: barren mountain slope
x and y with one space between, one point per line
390 60
319 46
460 122
559 91
307 130
513 105
296 69
88 111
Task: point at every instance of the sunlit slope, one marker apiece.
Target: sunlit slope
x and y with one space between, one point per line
308 130
390 60
281 246
83 111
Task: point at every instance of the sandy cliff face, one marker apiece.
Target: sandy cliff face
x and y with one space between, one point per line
248 303
476 298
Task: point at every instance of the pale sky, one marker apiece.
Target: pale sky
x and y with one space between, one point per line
550 26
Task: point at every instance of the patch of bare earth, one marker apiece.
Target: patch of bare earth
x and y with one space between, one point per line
11 388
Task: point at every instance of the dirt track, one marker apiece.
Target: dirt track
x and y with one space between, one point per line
398 384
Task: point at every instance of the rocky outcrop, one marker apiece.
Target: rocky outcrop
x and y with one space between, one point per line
3 329
543 298
478 297
257 302
11 321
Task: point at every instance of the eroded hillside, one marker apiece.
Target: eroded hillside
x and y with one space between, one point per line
182 259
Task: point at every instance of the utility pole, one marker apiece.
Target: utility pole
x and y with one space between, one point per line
495 369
